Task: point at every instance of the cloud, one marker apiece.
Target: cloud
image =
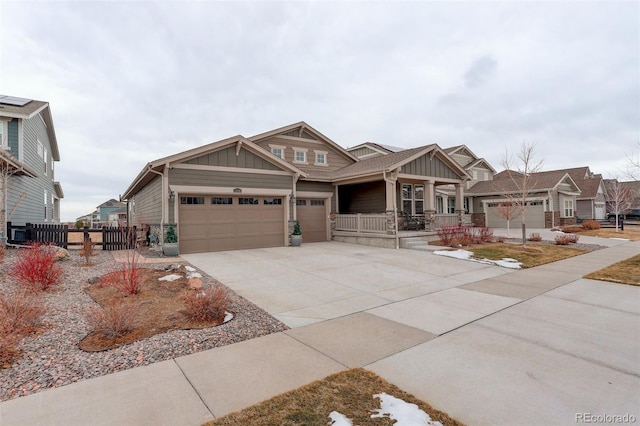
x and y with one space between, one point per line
480 71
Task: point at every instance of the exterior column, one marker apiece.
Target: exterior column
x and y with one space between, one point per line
390 211
459 202
429 205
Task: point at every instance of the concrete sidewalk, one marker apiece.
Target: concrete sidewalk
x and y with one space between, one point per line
528 347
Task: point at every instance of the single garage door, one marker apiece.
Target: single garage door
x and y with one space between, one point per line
534 217
312 215
217 223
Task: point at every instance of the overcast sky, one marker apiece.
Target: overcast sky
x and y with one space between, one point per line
130 82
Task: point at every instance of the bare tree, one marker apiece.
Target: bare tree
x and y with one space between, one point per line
619 199
7 170
508 211
522 180
633 165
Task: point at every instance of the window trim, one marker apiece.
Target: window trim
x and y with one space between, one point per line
568 208
282 149
296 151
325 154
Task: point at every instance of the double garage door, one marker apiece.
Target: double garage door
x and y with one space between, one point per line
216 223
534 217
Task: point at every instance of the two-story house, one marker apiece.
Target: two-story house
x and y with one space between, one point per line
247 192
29 192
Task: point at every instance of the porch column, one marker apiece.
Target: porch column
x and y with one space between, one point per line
429 205
459 202
390 211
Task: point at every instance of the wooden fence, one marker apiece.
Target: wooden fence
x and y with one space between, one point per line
109 237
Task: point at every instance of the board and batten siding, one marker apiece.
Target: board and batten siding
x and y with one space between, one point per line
366 197
228 158
365 151
33 207
147 204
335 159
309 186
425 166
228 179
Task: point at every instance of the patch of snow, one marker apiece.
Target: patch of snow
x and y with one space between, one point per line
338 419
467 255
228 316
404 413
171 277
189 268
620 239
194 275
457 254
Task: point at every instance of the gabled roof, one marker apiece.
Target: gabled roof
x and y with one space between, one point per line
30 110
540 182
475 162
588 182
151 169
302 126
111 203
392 161
381 148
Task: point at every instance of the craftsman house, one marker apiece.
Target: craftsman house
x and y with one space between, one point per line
29 192
247 192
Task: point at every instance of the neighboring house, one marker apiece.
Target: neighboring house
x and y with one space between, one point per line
551 202
247 192
590 204
371 149
117 217
29 192
634 192
104 214
108 207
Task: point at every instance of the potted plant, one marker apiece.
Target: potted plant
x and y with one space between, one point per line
170 246
296 235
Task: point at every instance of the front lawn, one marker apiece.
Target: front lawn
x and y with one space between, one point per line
625 272
631 232
532 255
350 393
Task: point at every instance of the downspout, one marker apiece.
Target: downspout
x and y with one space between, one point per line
162 197
395 206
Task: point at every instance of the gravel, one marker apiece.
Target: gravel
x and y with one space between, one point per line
52 358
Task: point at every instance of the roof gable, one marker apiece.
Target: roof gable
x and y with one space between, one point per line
304 131
502 183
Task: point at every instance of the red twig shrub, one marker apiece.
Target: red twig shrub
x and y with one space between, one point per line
535 236
209 304
454 235
20 313
591 224
3 250
447 233
36 267
113 320
128 275
566 239
571 229
8 349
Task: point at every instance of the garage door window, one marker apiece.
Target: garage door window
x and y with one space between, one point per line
317 202
191 200
301 202
248 200
272 201
221 200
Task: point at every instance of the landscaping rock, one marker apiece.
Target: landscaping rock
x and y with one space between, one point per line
195 283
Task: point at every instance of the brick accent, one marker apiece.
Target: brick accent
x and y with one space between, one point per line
478 219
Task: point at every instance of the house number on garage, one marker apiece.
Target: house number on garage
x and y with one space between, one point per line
237 190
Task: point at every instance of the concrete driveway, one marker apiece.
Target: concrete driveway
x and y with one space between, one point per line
320 281
487 345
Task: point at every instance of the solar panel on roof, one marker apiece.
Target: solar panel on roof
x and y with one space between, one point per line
12 100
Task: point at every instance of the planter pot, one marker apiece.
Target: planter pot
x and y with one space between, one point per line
296 240
170 249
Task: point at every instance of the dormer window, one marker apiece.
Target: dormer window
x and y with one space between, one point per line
300 155
277 150
321 158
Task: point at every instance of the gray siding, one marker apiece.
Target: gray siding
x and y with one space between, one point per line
147 206
304 185
228 158
335 159
32 206
425 166
361 152
363 198
228 179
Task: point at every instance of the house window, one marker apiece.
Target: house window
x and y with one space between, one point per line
46 160
407 199
191 200
451 205
277 150
439 205
474 173
568 208
418 195
40 149
321 158
486 175
221 200
248 201
272 201
412 199
4 140
299 155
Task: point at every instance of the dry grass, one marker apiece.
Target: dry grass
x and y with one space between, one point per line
625 272
532 255
630 232
349 393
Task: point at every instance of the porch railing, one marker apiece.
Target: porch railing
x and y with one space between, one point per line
451 219
362 222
